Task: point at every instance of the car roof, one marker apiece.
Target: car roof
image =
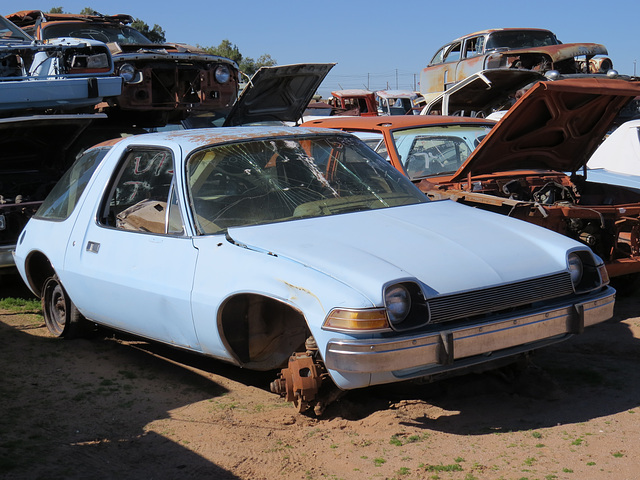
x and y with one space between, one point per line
191 139
25 18
352 92
493 30
392 122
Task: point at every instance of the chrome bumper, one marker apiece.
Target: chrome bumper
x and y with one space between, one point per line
450 345
6 256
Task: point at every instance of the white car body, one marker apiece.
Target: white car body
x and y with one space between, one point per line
620 151
184 289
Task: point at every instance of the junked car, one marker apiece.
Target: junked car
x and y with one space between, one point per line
620 151
162 82
354 101
509 48
302 250
517 166
60 75
398 102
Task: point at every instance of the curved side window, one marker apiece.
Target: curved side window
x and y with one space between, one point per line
142 197
65 195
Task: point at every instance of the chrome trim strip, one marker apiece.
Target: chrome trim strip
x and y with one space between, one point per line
450 345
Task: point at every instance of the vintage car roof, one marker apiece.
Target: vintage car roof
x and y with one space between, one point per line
29 17
279 93
352 92
554 126
396 94
391 122
491 30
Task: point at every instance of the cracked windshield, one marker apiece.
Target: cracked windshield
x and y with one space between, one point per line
268 181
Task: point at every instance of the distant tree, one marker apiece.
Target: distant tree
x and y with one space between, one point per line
247 65
56 10
225 49
251 66
87 11
155 34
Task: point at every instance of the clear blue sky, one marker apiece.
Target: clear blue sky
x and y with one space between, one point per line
375 44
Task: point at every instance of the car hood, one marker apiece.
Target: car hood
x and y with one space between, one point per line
165 51
278 93
554 126
563 50
423 241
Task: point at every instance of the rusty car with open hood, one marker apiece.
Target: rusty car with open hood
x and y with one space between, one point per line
531 165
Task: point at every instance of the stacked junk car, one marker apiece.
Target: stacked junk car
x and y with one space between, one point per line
299 250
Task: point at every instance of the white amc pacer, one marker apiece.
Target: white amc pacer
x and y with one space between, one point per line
300 249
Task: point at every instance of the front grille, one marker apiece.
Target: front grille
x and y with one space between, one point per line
498 298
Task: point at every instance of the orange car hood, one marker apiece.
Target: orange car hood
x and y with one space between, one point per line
554 126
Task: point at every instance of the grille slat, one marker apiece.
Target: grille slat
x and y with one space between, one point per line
502 297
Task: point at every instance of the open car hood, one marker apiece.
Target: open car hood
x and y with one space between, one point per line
40 141
278 93
554 126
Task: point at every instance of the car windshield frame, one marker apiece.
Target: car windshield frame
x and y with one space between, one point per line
422 150
9 33
516 39
285 178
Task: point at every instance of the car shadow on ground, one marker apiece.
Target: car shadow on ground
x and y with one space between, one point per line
588 376
82 413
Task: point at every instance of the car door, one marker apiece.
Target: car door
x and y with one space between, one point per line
471 59
129 254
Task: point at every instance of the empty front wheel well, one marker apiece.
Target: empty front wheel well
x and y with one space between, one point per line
261 332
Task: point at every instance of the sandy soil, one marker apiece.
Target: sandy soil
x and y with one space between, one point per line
112 407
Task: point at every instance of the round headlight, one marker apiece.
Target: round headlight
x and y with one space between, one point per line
575 268
223 74
397 300
127 72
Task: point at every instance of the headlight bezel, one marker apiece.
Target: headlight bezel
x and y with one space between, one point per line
575 267
397 302
127 71
594 274
417 314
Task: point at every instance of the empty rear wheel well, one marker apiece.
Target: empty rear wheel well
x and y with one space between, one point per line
260 331
38 269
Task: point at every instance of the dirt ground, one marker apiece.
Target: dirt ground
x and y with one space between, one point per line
112 407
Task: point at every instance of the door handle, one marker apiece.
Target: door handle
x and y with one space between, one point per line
93 246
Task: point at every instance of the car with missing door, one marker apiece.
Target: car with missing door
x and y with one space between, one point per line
298 249
533 49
